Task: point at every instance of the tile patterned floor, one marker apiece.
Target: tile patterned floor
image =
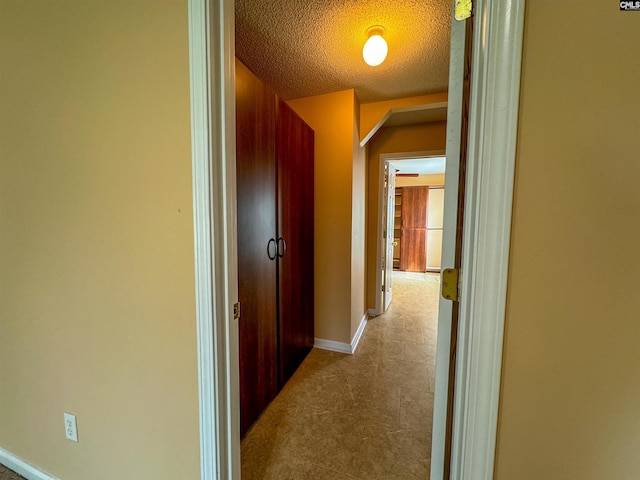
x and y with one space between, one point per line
362 416
6 474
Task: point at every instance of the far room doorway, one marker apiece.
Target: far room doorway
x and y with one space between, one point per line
411 221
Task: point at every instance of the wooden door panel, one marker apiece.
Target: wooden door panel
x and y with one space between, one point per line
414 229
294 146
414 207
414 249
257 281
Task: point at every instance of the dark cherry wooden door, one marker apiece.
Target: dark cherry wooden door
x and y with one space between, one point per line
294 146
414 229
257 277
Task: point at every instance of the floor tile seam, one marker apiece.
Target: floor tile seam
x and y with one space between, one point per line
340 472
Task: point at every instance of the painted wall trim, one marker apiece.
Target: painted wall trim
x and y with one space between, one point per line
343 347
358 334
20 466
211 68
493 119
332 346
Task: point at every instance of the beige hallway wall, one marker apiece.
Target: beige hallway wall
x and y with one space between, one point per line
434 180
570 389
332 118
358 229
97 311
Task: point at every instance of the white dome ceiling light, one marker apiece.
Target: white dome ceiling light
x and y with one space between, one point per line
375 49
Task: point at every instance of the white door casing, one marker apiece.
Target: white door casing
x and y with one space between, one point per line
212 78
390 177
487 221
493 121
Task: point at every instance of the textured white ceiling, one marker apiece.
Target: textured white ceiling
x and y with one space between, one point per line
305 48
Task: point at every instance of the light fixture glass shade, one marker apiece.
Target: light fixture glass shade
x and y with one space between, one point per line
375 50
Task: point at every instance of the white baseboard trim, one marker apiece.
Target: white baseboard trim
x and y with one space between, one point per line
332 346
359 332
342 347
18 465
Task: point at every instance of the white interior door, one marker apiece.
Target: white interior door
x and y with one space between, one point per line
456 113
387 274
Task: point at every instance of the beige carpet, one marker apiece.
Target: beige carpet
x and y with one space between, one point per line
362 416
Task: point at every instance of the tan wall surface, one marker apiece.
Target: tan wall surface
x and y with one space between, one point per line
435 224
410 138
358 231
372 113
332 118
436 179
570 389
97 313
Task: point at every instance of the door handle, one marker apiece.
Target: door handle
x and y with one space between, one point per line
282 243
272 242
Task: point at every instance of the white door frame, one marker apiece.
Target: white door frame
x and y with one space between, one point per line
213 141
495 87
493 121
385 157
387 239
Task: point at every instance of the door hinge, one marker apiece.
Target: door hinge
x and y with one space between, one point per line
236 310
463 9
451 284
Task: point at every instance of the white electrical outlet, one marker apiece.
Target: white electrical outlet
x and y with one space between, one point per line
70 427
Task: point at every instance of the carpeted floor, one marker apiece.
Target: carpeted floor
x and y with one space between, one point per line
362 416
6 474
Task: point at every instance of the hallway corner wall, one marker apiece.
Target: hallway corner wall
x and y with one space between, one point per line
332 118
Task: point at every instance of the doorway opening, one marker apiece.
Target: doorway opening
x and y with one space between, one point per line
334 402
410 226
332 367
493 128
